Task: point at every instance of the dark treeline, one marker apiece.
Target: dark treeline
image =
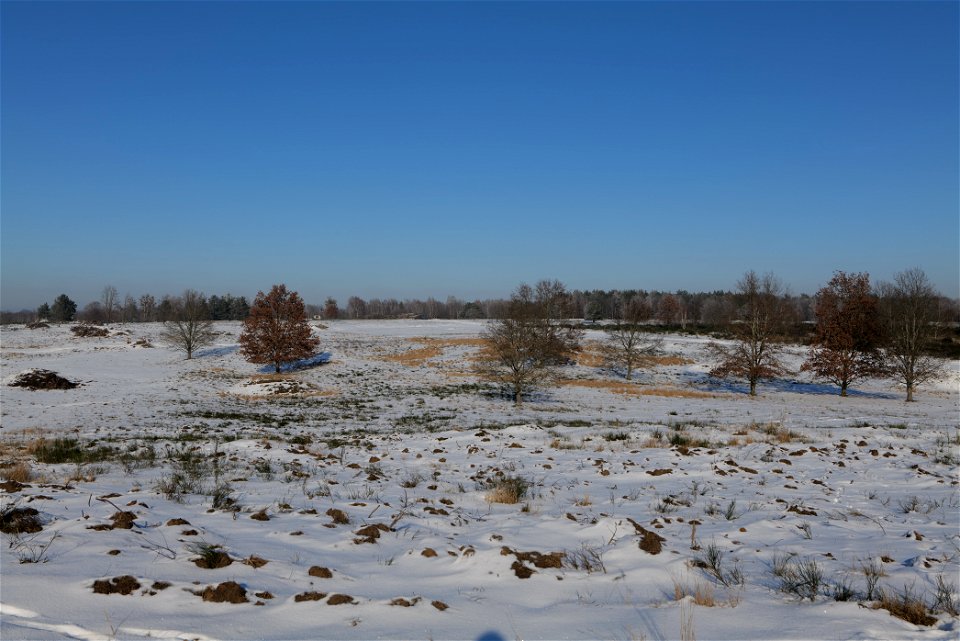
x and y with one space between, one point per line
145 309
683 309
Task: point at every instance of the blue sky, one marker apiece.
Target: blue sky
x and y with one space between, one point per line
417 149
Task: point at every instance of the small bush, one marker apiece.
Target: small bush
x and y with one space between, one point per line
508 489
804 578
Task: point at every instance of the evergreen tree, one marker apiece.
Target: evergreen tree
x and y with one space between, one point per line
63 309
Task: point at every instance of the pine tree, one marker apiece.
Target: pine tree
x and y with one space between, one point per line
276 331
63 309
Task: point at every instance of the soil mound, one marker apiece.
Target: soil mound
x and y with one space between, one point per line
227 592
37 379
86 331
20 520
38 325
117 585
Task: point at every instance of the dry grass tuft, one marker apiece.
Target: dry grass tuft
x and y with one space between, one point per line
21 473
508 490
906 606
700 591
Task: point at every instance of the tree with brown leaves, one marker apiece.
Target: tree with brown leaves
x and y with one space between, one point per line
909 312
276 331
849 333
757 330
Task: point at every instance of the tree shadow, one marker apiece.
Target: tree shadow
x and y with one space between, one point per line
216 351
711 384
294 366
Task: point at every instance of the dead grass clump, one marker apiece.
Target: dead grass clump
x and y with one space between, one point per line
632 389
907 606
309 596
85 330
701 592
19 473
338 516
254 561
117 585
508 490
20 520
226 592
320 572
42 379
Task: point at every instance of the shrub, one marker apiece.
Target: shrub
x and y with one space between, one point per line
508 489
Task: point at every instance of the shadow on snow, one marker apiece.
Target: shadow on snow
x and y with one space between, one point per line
303 363
711 384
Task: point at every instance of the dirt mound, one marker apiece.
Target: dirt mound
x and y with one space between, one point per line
38 325
36 379
86 331
226 592
213 560
20 520
117 585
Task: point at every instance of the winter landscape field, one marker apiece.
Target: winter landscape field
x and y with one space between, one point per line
383 491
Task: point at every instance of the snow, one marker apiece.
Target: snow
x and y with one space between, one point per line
410 443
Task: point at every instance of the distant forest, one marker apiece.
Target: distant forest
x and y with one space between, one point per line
680 309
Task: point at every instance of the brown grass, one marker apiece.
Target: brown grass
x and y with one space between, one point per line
414 357
21 473
906 606
630 389
592 356
703 593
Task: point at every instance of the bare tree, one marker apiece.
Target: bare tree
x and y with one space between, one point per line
909 311
148 308
627 344
108 301
129 311
525 345
190 327
849 332
754 354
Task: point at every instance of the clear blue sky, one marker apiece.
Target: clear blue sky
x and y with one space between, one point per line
416 149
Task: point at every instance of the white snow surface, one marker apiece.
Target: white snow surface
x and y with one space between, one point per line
411 443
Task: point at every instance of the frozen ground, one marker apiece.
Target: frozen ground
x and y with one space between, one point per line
389 429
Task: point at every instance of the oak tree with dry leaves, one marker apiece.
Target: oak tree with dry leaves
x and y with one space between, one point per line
276 331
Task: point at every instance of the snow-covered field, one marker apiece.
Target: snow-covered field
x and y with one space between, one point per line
355 497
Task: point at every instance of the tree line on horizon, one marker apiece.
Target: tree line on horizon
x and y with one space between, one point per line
860 331
680 309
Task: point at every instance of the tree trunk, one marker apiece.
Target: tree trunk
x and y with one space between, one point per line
277 366
843 388
629 372
517 395
909 392
753 387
